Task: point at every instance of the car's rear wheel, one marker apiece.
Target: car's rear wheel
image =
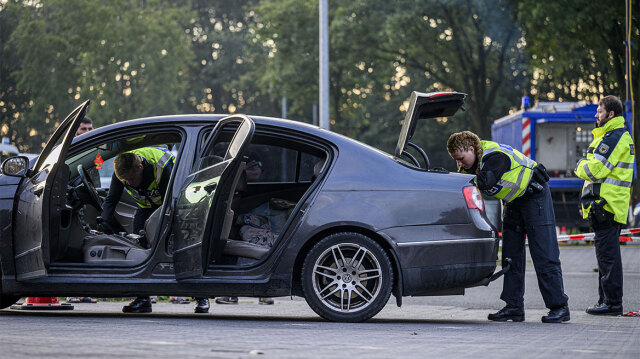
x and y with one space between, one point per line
347 277
6 300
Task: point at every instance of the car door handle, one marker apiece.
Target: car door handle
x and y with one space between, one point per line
210 187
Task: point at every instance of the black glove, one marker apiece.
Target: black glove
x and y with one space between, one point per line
599 215
540 173
103 226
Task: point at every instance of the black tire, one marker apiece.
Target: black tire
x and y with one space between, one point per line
6 300
326 279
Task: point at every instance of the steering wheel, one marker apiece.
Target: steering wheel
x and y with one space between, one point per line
96 201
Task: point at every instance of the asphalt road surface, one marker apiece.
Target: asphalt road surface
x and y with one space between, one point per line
430 327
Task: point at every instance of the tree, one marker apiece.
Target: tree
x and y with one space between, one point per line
129 58
462 45
220 36
13 102
577 52
381 51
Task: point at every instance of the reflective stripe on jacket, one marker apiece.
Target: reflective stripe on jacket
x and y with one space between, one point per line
608 170
514 182
159 158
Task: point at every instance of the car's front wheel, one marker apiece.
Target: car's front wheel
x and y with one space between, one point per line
347 277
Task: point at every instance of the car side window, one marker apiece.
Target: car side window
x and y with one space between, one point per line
277 164
280 164
106 172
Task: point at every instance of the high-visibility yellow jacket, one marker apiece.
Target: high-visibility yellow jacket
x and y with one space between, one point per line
514 181
608 170
159 159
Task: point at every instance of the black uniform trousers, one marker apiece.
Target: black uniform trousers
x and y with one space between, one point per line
607 243
532 215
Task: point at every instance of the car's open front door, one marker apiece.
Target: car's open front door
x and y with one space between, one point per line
202 214
41 198
423 106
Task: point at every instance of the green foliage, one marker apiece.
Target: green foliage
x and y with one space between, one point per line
128 58
576 47
13 102
157 57
381 51
219 35
577 51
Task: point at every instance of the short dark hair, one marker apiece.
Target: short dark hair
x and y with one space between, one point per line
86 119
611 103
125 163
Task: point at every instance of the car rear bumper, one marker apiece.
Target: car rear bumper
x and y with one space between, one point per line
432 267
436 260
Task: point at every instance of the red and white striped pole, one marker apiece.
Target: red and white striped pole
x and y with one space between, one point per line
526 136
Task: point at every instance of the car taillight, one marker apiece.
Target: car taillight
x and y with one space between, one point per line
473 197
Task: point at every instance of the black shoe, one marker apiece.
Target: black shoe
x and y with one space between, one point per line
227 300
139 305
557 315
265 300
508 313
605 309
202 305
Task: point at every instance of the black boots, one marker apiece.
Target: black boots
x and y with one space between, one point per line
516 314
139 305
508 313
143 305
202 305
605 309
557 315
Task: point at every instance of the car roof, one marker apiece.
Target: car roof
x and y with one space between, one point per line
202 119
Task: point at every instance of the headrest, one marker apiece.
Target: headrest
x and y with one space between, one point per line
318 167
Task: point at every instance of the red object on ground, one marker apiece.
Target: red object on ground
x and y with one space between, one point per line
43 303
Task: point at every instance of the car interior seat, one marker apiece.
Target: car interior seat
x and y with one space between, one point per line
236 247
317 169
114 248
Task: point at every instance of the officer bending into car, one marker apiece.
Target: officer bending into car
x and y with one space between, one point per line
145 174
507 174
608 174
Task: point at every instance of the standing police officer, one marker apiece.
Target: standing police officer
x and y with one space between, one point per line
608 173
521 183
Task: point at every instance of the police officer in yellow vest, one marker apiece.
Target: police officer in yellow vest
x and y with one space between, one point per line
506 174
608 173
145 174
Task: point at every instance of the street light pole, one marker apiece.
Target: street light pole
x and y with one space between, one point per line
324 64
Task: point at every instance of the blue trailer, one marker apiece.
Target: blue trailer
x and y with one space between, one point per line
556 134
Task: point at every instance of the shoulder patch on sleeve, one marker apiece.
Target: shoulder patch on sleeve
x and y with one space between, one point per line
603 148
609 142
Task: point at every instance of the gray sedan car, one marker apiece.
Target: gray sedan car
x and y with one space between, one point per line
340 223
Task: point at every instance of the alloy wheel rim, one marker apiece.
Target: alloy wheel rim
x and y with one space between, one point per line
347 277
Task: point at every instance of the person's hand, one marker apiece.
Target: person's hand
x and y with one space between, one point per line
103 226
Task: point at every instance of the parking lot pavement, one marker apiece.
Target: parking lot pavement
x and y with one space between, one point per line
442 327
289 329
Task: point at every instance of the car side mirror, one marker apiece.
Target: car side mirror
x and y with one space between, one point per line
17 166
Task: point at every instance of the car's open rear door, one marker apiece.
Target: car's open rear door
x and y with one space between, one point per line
202 214
423 106
41 199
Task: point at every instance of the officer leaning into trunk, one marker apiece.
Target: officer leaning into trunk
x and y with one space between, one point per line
521 183
607 172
